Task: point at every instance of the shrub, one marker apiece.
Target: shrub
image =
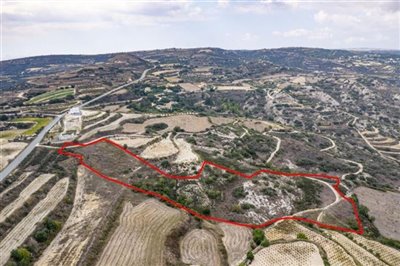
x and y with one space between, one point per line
165 164
265 243
250 256
301 236
22 255
239 192
258 236
42 235
156 127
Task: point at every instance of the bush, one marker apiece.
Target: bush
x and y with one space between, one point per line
250 256
239 192
165 164
156 127
265 243
42 235
258 236
302 236
22 255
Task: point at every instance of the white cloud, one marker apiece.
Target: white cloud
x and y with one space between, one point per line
316 34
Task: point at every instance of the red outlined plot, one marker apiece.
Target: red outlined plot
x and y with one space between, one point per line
336 179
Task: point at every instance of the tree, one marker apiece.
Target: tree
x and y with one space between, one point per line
165 164
265 243
258 236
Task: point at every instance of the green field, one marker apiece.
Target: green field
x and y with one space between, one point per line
51 95
39 124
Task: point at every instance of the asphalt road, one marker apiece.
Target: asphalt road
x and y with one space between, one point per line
22 155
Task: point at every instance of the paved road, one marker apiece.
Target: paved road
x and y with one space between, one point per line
22 155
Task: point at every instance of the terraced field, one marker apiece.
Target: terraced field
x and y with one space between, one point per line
360 254
236 241
16 183
39 123
288 230
26 226
290 254
200 247
34 186
52 95
163 148
141 234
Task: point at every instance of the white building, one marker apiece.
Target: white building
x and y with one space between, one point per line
75 111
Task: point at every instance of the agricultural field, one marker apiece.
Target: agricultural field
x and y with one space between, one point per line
167 149
141 234
38 124
51 95
295 253
200 247
27 225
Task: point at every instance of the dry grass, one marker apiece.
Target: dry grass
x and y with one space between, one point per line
200 247
260 125
67 247
234 88
189 87
34 186
385 207
141 235
289 254
23 229
236 241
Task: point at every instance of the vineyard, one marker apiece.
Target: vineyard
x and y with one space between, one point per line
291 254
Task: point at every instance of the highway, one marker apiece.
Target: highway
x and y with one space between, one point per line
28 149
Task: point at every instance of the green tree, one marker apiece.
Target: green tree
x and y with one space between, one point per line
258 236
250 256
22 255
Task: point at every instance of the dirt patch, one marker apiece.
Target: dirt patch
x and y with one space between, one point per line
385 207
161 149
185 155
132 142
189 87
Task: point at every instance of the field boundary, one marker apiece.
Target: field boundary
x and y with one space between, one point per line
337 180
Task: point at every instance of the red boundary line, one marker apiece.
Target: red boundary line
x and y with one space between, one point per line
197 176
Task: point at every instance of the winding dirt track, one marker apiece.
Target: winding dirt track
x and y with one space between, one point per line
23 229
199 174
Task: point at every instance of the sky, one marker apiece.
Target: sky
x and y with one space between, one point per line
32 27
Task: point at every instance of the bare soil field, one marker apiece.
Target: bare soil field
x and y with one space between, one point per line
291 254
234 88
132 142
200 247
88 209
27 225
189 123
189 87
260 125
288 230
236 241
219 120
161 149
141 234
34 186
385 207
185 154
9 150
